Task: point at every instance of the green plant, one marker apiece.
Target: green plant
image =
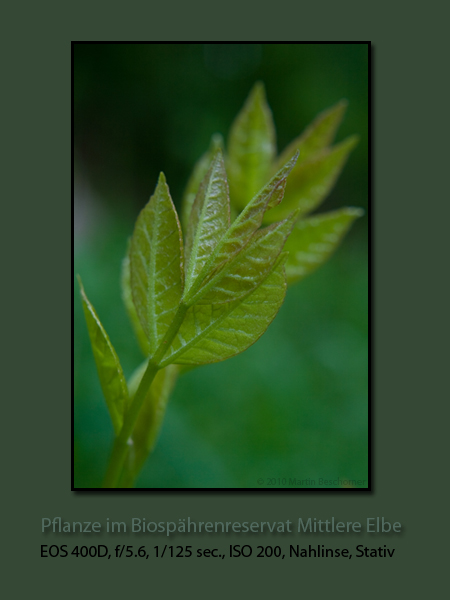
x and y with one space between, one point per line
214 295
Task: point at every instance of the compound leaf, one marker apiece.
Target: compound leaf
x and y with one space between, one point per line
212 333
313 240
311 181
242 229
110 372
249 267
251 147
156 264
209 220
319 135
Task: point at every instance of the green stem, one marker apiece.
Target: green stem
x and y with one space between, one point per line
120 448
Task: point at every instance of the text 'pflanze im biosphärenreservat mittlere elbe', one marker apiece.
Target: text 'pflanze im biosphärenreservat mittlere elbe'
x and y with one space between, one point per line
186 525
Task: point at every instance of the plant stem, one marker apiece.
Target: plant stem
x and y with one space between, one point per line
120 448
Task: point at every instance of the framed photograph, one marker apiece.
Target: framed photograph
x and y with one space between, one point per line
221 264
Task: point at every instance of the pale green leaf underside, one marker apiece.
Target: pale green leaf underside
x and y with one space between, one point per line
110 372
242 229
251 147
198 173
311 181
212 333
130 308
156 264
247 269
313 240
209 220
319 135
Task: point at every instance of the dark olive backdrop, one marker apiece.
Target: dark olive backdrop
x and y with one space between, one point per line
295 404
410 303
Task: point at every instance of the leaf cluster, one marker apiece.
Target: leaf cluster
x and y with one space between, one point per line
207 295
251 160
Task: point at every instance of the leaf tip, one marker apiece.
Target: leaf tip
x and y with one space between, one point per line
216 142
351 142
294 215
356 213
258 91
342 105
257 98
293 160
335 113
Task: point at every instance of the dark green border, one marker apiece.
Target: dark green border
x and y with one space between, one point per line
408 380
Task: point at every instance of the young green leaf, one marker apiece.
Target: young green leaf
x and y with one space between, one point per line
129 305
198 174
251 147
109 369
156 264
241 230
313 240
249 267
311 181
319 135
212 333
209 220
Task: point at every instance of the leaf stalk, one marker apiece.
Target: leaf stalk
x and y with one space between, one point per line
120 448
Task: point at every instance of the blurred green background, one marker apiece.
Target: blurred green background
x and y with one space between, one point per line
295 405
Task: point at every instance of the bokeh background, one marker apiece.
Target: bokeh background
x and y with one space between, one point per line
294 405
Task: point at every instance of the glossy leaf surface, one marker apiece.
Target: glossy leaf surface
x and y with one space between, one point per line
251 147
198 173
313 240
212 333
156 264
249 267
209 220
241 230
109 370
